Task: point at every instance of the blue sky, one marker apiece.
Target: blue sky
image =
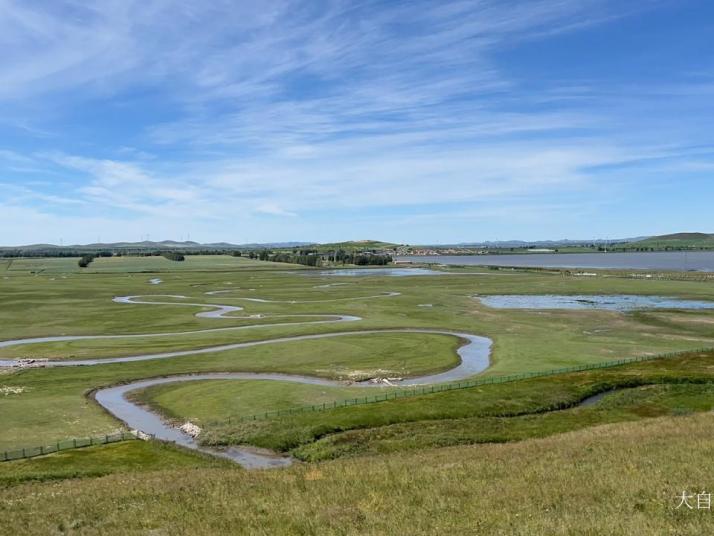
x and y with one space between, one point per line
413 122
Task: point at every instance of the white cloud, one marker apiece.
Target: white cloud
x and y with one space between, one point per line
273 210
349 176
301 109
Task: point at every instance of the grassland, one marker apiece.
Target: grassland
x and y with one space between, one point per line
91 462
487 413
81 304
137 265
620 479
386 448
54 405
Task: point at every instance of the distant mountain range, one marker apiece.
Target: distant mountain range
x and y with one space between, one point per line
662 242
149 245
658 242
543 243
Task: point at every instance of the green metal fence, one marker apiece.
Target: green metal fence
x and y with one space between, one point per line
425 390
67 444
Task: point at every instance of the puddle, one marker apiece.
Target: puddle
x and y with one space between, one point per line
395 272
594 399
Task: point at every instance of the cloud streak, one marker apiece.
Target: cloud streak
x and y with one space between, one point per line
317 114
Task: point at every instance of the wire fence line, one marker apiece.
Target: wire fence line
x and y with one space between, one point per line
66 444
429 389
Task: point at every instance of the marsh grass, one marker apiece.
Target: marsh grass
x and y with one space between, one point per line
487 413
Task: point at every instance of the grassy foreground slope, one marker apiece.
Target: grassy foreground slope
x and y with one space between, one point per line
124 457
553 486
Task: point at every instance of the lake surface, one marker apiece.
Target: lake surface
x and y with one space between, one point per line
702 261
611 303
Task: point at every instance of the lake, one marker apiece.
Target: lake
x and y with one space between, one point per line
701 261
619 302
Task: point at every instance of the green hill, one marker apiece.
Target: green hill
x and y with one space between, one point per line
677 241
356 245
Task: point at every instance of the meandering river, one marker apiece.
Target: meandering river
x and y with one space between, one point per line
474 358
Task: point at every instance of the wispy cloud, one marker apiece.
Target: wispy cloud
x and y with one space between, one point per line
273 210
311 110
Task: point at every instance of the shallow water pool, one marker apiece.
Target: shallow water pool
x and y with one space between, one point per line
396 272
618 302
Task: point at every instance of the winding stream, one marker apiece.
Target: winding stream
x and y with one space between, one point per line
219 312
474 355
474 359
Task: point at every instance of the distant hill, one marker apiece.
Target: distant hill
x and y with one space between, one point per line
676 241
356 244
550 243
683 236
153 246
267 245
147 245
541 243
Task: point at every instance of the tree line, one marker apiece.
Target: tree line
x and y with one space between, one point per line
86 259
310 257
307 257
174 256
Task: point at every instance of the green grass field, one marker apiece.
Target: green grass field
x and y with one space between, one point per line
619 479
138 265
52 297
